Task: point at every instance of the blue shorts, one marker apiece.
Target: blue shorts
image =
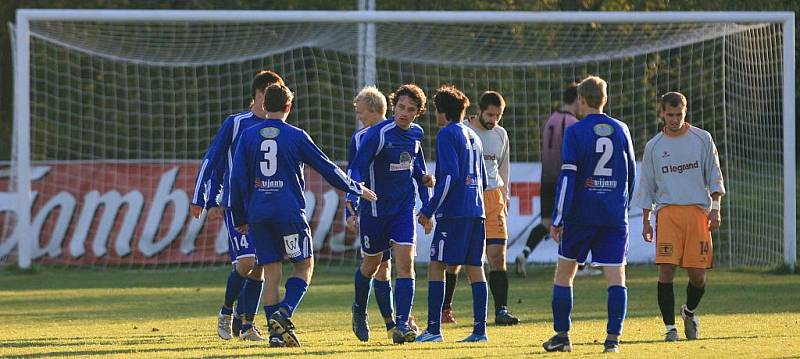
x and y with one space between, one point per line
239 245
459 241
609 245
274 240
378 234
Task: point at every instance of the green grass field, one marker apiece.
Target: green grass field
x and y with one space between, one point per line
172 313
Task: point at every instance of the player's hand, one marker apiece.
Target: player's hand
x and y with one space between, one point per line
367 194
429 181
242 229
647 232
714 219
214 213
352 224
197 211
555 233
426 222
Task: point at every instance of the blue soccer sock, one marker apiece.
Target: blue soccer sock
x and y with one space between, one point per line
404 298
240 302
362 285
383 294
562 308
435 303
269 310
295 290
480 299
233 288
617 307
252 294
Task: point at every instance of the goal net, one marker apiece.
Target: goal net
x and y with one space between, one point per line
121 112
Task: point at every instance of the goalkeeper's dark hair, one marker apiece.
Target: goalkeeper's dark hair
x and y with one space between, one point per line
263 79
673 99
491 98
277 97
414 93
570 93
451 102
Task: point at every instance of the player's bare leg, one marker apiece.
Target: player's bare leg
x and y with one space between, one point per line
451 280
498 283
666 300
617 306
369 267
562 306
404 261
694 292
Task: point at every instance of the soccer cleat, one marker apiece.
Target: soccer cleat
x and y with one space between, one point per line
283 326
360 325
275 341
505 318
252 335
403 334
610 347
447 316
426 337
671 335
412 324
690 324
224 326
557 344
522 266
475 338
236 326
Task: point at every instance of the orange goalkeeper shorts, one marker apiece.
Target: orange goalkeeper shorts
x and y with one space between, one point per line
683 237
495 204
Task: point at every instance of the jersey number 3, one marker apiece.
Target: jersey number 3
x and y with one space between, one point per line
606 147
269 165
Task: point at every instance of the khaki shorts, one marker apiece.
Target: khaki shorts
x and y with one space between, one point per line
495 204
683 237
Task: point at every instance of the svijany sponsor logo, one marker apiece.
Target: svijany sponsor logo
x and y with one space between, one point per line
680 168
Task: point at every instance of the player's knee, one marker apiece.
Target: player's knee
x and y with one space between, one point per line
245 266
370 266
453 269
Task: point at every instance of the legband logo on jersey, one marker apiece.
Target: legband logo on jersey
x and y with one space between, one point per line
268 184
292 245
592 183
664 250
680 168
603 129
269 132
404 165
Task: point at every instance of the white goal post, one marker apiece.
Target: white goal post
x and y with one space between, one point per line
22 72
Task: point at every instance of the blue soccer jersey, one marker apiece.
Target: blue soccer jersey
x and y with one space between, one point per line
389 159
213 175
267 174
460 174
597 173
352 149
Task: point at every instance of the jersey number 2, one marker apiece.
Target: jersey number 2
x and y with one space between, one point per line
269 165
606 147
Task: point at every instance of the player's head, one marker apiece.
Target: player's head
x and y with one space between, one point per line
278 99
491 106
263 79
592 95
370 105
673 110
408 103
451 104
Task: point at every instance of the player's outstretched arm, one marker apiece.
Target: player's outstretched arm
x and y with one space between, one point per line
314 157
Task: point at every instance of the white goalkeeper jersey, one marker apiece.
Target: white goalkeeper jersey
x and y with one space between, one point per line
495 155
679 170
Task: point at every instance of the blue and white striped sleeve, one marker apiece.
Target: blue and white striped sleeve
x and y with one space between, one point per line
565 186
446 171
213 159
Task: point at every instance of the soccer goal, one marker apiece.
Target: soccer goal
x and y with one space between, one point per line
115 108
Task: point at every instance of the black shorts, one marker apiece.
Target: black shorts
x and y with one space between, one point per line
547 198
